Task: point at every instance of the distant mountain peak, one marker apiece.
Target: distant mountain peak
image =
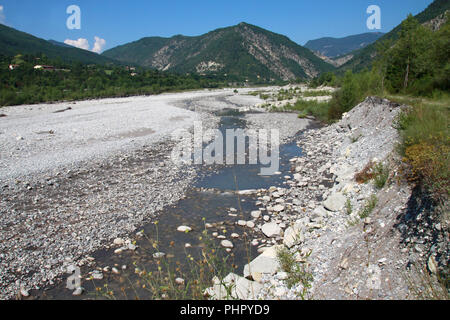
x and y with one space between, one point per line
334 47
240 52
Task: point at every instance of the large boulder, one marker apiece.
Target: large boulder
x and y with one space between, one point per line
293 236
234 287
335 202
266 263
271 229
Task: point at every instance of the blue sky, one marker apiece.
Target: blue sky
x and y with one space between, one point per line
119 22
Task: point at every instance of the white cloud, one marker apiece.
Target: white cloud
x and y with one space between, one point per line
2 15
80 43
99 45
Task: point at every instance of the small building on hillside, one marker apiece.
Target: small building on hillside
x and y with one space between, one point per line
45 68
13 66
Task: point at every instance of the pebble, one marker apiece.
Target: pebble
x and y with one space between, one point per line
78 291
159 255
184 229
226 244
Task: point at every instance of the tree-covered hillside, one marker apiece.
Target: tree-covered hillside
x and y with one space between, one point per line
76 81
335 47
13 42
365 57
241 52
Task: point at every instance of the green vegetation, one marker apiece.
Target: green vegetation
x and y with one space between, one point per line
228 48
325 79
296 271
376 172
76 81
262 94
335 47
369 206
319 110
321 93
348 207
13 42
365 57
161 283
381 175
411 68
425 142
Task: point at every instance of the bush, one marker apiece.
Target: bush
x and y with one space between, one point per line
371 203
425 144
381 175
319 110
296 271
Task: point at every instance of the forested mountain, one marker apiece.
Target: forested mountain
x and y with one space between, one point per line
364 58
334 47
13 42
243 52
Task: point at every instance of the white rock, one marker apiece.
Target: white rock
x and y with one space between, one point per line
24 292
293 236
247 192
179 281
78 291
226 244
250 224
335 202
266 263
432 265
159 255
255 214
282 275
184 229
234 287
278 208
119 242
271 229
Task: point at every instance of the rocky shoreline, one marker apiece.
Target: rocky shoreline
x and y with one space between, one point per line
57 221
323 220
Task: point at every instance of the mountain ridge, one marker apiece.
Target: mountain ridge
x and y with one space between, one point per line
240 51
13 42
332 47
364 57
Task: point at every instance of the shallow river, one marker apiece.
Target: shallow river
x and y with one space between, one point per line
199 206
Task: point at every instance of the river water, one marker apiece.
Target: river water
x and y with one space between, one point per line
209 200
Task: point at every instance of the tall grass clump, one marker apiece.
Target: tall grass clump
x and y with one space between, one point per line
425 143
319 110
297 272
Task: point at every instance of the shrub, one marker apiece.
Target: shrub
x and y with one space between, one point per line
366 174
296 271
368 208
316 109
430 166
425 143
381 175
